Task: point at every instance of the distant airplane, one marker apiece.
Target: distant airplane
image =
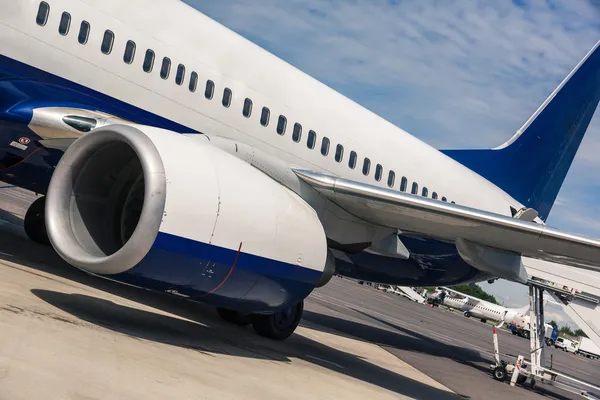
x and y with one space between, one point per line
174 155
478 308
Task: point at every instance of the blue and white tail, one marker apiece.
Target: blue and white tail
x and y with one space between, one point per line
532 165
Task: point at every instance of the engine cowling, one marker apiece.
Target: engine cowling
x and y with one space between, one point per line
166 212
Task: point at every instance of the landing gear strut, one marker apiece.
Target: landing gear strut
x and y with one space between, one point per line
35 224
276 326
279 325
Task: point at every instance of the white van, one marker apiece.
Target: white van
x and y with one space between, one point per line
566 345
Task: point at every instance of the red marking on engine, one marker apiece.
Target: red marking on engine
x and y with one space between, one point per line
23 160
228 274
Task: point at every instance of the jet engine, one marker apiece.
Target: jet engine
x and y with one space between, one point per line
159 210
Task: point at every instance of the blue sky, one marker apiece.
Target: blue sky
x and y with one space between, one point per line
456 74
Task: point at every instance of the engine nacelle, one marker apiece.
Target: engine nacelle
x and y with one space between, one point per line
159 210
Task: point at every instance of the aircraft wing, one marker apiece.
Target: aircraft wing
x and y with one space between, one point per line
457 293
474 231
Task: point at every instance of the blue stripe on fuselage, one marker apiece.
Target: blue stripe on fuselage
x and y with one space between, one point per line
33 87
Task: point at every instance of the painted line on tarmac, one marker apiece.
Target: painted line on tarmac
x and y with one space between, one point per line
325 361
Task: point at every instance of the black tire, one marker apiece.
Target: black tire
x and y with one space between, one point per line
280 325
521 379
467 314
35 223
483 320
500 374
234 317
550 342
526 334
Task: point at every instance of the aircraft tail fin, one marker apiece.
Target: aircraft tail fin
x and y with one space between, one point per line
533 164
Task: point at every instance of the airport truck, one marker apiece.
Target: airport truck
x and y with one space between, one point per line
586 347
520 326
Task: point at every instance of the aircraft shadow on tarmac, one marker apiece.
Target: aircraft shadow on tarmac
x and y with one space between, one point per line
201 331
411 341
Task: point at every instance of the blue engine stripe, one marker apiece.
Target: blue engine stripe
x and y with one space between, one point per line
249 262
204 272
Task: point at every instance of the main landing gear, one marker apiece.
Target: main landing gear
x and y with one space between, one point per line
35 223
276 326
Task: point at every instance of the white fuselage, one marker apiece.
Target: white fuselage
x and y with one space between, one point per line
188 38
481 309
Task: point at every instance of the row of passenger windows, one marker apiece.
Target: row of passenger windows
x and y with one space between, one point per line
129 55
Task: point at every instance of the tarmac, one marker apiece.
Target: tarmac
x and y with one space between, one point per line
65 334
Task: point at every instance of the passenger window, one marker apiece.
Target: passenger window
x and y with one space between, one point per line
297 134
339 153
312 139
42 15
403 184
84 32
210 90
352 160
434 195
193 81
107 42
148 61
391 178
226 97
444 199
366 166
65 24
325 146
281 124
425 192
264 116
378 172
415 188
180 76
165 69
129 52
247 110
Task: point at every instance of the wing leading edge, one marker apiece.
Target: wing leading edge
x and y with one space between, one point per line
451 222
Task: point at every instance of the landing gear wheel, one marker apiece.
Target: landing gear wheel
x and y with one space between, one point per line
35 223
500 374
483 320
234 317
279 325
467 314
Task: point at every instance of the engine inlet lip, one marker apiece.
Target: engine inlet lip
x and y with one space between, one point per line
61 188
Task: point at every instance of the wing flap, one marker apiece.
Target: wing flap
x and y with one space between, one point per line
449 222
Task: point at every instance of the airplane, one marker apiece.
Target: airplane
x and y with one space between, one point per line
484 310
172 154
